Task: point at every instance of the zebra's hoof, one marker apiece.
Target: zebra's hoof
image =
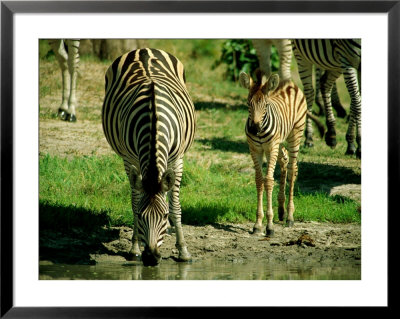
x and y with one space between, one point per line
330 140
134 257
71 118
358 153
184 256
62 114
257 231
341 112
270 232
351 150
308 144
289 223
281 213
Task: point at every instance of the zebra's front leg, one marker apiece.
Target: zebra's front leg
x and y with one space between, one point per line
269 186
134 253
257 156
175 212
283 161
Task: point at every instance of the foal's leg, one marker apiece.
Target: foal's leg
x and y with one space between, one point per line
283 161
269 186
257 156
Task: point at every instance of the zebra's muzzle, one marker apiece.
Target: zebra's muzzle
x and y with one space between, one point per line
151 257
256 128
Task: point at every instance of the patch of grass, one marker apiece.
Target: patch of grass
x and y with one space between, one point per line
208 195
86 183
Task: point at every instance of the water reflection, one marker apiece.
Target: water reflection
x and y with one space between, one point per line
198 270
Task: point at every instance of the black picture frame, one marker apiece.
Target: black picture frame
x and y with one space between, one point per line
9 8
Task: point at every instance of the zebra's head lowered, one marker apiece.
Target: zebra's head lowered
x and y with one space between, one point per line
259 93
152 212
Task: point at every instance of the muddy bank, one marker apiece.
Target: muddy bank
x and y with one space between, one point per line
325 244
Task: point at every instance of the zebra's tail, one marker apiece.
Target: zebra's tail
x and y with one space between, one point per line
321 127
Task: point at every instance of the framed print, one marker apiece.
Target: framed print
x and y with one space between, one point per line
93 273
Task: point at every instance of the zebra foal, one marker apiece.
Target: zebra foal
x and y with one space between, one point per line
149 120
277 113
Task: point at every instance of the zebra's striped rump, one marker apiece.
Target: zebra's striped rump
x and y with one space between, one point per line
149 121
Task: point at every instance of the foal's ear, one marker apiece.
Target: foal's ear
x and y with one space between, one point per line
245 80
271 84
167 180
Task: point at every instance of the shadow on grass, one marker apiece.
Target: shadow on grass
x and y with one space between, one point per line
313 177
71 234
225 145
200 106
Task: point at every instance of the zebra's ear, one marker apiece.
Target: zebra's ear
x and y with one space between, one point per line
245 80
271 84
167 180
135 179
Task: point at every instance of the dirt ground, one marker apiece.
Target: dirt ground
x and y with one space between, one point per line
322 244
333 244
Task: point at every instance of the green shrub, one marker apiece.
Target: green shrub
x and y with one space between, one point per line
240 55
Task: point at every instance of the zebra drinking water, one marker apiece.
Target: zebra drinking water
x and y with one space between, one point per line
336 57
69 63
277 113
149 121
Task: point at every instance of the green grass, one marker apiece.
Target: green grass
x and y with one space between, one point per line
218 180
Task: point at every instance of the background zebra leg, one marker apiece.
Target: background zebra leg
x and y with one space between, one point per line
350 78
62 58
337 105
263 51
269 186
284 48
283 161
305 72
257 156
73 64
175 212
309 93
318 96
327 81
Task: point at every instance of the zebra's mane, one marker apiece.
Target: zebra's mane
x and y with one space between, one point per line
152 176
256 89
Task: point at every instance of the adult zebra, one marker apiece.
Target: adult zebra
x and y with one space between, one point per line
149 120
284 47
69 64
336 57
277 113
